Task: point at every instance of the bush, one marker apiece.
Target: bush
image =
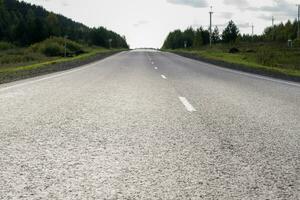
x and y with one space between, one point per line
250 51
297 43
55 46
234 50
52 49
6 46
266 56
12 59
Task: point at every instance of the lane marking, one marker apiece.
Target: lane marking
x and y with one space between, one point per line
187 104
149 58
152 63
163 76
155 67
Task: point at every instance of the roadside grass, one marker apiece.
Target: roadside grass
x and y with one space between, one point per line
272 59
18 63
54 60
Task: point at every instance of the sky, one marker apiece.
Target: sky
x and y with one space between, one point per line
146 23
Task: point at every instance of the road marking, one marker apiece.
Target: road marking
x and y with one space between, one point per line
163 76
155 67
187 104
152 63
149 58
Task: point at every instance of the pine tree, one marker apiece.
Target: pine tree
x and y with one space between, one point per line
231 32
215 35
198 42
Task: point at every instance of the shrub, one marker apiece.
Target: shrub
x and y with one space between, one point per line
234 50
55 46
297 43
6 46
12 59
250 51
52 49
266 56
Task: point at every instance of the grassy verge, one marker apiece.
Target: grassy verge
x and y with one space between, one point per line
276 62
44 65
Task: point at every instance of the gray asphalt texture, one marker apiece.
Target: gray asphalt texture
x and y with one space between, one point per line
115 129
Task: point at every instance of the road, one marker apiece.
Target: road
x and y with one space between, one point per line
150 125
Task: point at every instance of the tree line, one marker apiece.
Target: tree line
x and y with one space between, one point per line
24 24
195 38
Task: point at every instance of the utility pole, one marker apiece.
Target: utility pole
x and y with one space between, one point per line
273 28
252 31
109 41
210 26
298 21
65 45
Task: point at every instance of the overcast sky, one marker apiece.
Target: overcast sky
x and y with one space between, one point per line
146 23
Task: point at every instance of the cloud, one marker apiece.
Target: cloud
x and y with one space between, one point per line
192 3
140 23
65 3
239 25
269 17
280 8
244 25
226 15
237 3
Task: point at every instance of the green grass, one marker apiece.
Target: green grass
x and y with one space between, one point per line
274 59
55 60
23 63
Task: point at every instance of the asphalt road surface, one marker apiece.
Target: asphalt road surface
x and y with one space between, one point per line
150 125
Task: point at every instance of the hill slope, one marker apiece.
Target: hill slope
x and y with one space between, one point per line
24 24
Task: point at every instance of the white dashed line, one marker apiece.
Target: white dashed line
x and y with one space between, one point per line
163 76
187 105
155 67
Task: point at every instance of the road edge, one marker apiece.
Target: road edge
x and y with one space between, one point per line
239 67
51 68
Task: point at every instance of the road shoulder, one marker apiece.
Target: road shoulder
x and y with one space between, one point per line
271 72
53 66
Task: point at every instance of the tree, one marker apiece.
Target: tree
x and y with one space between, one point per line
24 24
53 24
188 37
215 35
230 33
198 42
205 36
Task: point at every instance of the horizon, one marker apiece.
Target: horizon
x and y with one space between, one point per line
144 28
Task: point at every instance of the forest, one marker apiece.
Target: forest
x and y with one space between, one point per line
23 24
